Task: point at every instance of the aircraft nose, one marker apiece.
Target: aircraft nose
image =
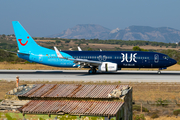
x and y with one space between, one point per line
173 61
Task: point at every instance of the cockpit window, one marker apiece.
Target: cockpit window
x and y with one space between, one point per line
166 57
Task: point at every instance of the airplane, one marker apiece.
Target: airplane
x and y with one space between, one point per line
101 61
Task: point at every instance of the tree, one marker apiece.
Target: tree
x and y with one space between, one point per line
136 48
3 35
89 49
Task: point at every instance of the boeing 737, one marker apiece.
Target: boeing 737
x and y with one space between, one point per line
103 61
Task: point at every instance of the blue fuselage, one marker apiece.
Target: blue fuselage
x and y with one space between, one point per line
123 59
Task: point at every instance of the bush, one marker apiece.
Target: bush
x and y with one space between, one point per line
176 112
139 117
154 115
161 102
58 41
67 41
138 108
9 117
137 48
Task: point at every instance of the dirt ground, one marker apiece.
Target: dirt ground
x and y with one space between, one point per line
148 94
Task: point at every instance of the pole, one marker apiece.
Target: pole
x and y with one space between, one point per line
17 81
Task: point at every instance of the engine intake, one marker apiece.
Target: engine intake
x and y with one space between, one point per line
107 66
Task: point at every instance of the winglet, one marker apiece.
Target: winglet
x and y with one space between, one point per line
58 53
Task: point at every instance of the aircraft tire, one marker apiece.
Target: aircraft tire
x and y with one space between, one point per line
94 71
90 71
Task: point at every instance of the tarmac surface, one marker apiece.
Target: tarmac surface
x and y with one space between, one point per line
82 75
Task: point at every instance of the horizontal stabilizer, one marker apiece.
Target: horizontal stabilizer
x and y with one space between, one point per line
17 52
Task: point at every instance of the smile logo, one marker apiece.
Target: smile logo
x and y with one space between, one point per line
23 44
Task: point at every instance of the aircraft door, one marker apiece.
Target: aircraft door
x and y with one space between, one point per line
156 58
106 67
40 58
146 63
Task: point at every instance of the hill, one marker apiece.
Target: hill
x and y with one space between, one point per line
9 43
91 31
84 31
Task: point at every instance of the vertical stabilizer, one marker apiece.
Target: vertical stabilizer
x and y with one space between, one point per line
25 42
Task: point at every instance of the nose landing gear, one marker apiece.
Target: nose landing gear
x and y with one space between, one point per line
159 72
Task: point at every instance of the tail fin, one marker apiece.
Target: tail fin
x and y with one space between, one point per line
25 42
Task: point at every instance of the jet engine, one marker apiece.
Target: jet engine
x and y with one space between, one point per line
107 66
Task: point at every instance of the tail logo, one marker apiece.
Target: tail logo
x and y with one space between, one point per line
23 44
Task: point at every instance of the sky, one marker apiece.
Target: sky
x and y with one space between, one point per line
47 17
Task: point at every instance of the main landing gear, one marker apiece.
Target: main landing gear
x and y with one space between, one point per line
92 70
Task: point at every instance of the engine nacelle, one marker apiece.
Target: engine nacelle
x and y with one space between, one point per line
107 66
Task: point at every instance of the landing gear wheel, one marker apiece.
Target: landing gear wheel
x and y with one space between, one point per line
159 72
92 71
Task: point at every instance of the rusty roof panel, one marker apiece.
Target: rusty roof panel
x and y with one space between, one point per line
103 108
37 86
42 90
71 90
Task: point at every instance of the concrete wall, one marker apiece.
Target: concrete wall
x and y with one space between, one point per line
128 114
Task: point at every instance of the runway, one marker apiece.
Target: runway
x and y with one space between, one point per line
82 75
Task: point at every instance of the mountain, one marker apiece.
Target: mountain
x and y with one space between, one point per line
91 31
161 34
86 31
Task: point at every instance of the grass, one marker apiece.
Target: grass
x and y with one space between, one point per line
175 67
138 108
19 66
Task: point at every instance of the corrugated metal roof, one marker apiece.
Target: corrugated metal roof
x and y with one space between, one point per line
74 107
71 90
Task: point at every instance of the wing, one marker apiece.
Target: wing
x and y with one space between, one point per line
81 62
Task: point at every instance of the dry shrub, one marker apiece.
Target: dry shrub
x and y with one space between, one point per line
176 112
139 117
138 108
154 115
